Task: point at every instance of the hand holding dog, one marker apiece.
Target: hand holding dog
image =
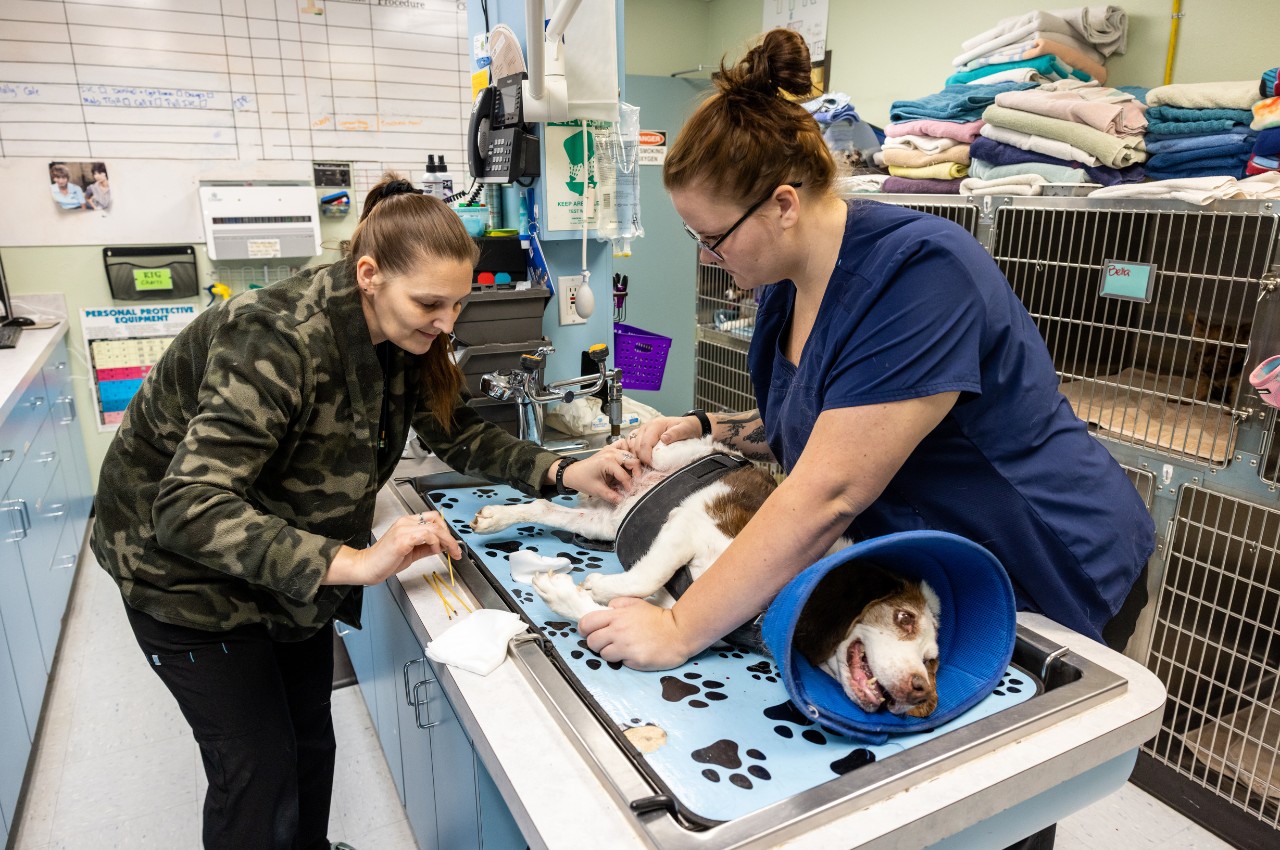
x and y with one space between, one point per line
605 474
636 633
663 429
410 538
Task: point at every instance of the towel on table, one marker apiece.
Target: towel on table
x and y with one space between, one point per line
1209 149
954 101
925 144
937 171
1169 144
1010 75
1268 142
1039 144
1229 166
1193 128
1103 27
1048 66
1086 105
1116 151
1266 114
1067 49
1261 164
1265 185
1018 184
907 186
998 153
479 642
1051 173
922 159
965 131
1224 95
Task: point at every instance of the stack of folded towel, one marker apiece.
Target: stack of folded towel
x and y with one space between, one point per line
1200 129
926 146
1044 47
1265 156
1063 132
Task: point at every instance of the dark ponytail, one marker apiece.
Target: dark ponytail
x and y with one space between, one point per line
749 136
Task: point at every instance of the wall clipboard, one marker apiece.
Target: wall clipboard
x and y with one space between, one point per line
151 272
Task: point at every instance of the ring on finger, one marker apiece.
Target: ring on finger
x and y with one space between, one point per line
422 519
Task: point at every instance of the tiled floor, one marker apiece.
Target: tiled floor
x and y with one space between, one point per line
116 766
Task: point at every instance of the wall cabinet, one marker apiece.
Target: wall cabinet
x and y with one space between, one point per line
450 800
44 508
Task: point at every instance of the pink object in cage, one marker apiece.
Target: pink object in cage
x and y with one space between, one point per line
641 355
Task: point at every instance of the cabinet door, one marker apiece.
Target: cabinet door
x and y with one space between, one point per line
19 617
40 491
359 646
15 740
66 419
388 676
457 815
417 734
498 830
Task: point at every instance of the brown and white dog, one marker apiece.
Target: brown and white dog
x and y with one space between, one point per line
874 633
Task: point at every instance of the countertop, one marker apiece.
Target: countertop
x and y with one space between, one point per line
557 796
19 365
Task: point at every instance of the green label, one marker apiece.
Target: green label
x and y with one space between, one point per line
148 280
1131 281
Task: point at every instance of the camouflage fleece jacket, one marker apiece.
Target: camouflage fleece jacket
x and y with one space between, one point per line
250 455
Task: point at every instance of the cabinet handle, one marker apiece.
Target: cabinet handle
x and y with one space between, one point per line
337 628
20 507
61 509
71 410
47 457
66 562
408 700
417 707
6 455
38 401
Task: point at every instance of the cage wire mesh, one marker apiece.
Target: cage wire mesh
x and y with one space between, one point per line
964 214
1166 372
1217 650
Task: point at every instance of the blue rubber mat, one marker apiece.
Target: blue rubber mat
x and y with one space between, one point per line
733 741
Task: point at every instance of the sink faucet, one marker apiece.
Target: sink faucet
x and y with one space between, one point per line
525 387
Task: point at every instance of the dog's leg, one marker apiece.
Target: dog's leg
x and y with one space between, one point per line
683 537
595 523
563 596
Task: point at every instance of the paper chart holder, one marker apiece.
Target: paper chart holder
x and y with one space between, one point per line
145 273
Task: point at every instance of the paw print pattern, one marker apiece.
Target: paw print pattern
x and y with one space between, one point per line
731 653
485 492
559 628
526 530
507 546
724 754
524 597
788 713
443 501
1011 683
854 760
674 689
763 670
583 651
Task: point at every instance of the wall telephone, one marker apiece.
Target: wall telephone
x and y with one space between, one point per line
499 149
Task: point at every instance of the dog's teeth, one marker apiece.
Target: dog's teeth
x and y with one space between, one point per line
871 683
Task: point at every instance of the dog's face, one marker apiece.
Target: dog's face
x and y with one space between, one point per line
889 658
877 635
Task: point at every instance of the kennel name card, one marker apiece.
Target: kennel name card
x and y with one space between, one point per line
1130 281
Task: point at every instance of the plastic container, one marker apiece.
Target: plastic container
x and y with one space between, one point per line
641 355
474 217
501 316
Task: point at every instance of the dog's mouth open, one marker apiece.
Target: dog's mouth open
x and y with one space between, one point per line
863 688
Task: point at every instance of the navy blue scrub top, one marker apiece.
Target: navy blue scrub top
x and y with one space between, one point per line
916 307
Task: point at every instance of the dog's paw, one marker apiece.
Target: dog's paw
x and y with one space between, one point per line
562 596
606 587
492 518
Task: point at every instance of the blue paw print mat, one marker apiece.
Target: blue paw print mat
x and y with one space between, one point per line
734 742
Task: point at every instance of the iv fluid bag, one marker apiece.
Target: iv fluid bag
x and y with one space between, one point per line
619 181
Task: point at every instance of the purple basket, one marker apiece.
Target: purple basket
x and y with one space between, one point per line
640 355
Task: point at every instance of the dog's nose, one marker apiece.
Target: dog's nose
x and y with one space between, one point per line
919 684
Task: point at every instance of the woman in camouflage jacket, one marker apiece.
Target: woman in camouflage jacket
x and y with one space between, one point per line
235 503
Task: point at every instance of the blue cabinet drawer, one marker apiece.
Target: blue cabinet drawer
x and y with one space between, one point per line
19 428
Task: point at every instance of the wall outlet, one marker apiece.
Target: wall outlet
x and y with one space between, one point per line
567 291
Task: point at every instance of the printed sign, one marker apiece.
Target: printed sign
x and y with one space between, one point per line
1128 281
653 147
151 280
123 344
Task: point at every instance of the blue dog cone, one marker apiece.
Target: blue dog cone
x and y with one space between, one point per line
976 630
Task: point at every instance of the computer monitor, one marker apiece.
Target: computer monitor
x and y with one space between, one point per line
5 304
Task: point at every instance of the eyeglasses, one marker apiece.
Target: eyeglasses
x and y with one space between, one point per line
711 248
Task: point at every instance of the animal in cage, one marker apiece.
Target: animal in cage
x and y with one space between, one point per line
1219 352
877 635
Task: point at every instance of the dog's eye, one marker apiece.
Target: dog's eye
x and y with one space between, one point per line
903 618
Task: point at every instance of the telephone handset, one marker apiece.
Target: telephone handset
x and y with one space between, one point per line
499 150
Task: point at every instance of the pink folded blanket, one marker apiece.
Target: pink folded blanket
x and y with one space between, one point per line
965 132
1085 105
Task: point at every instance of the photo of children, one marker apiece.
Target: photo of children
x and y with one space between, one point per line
80 185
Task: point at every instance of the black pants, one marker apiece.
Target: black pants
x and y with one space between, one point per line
260 712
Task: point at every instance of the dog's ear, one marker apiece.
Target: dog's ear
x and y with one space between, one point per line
836 603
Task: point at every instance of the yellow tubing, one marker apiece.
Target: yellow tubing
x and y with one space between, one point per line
1173 41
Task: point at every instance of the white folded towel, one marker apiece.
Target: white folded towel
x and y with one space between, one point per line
478 643
927 144
1014 184
1193 190
1237 94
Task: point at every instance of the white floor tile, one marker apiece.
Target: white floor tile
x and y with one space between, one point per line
165 829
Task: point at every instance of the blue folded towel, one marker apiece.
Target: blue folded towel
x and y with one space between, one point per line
1169 144
1226 167
1178 113
1268 143
1208 153
954 103
1194 128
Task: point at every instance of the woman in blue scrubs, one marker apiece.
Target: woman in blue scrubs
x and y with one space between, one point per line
899 382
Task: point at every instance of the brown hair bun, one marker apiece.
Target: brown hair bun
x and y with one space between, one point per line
779 63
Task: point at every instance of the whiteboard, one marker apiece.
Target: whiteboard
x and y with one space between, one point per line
224 81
